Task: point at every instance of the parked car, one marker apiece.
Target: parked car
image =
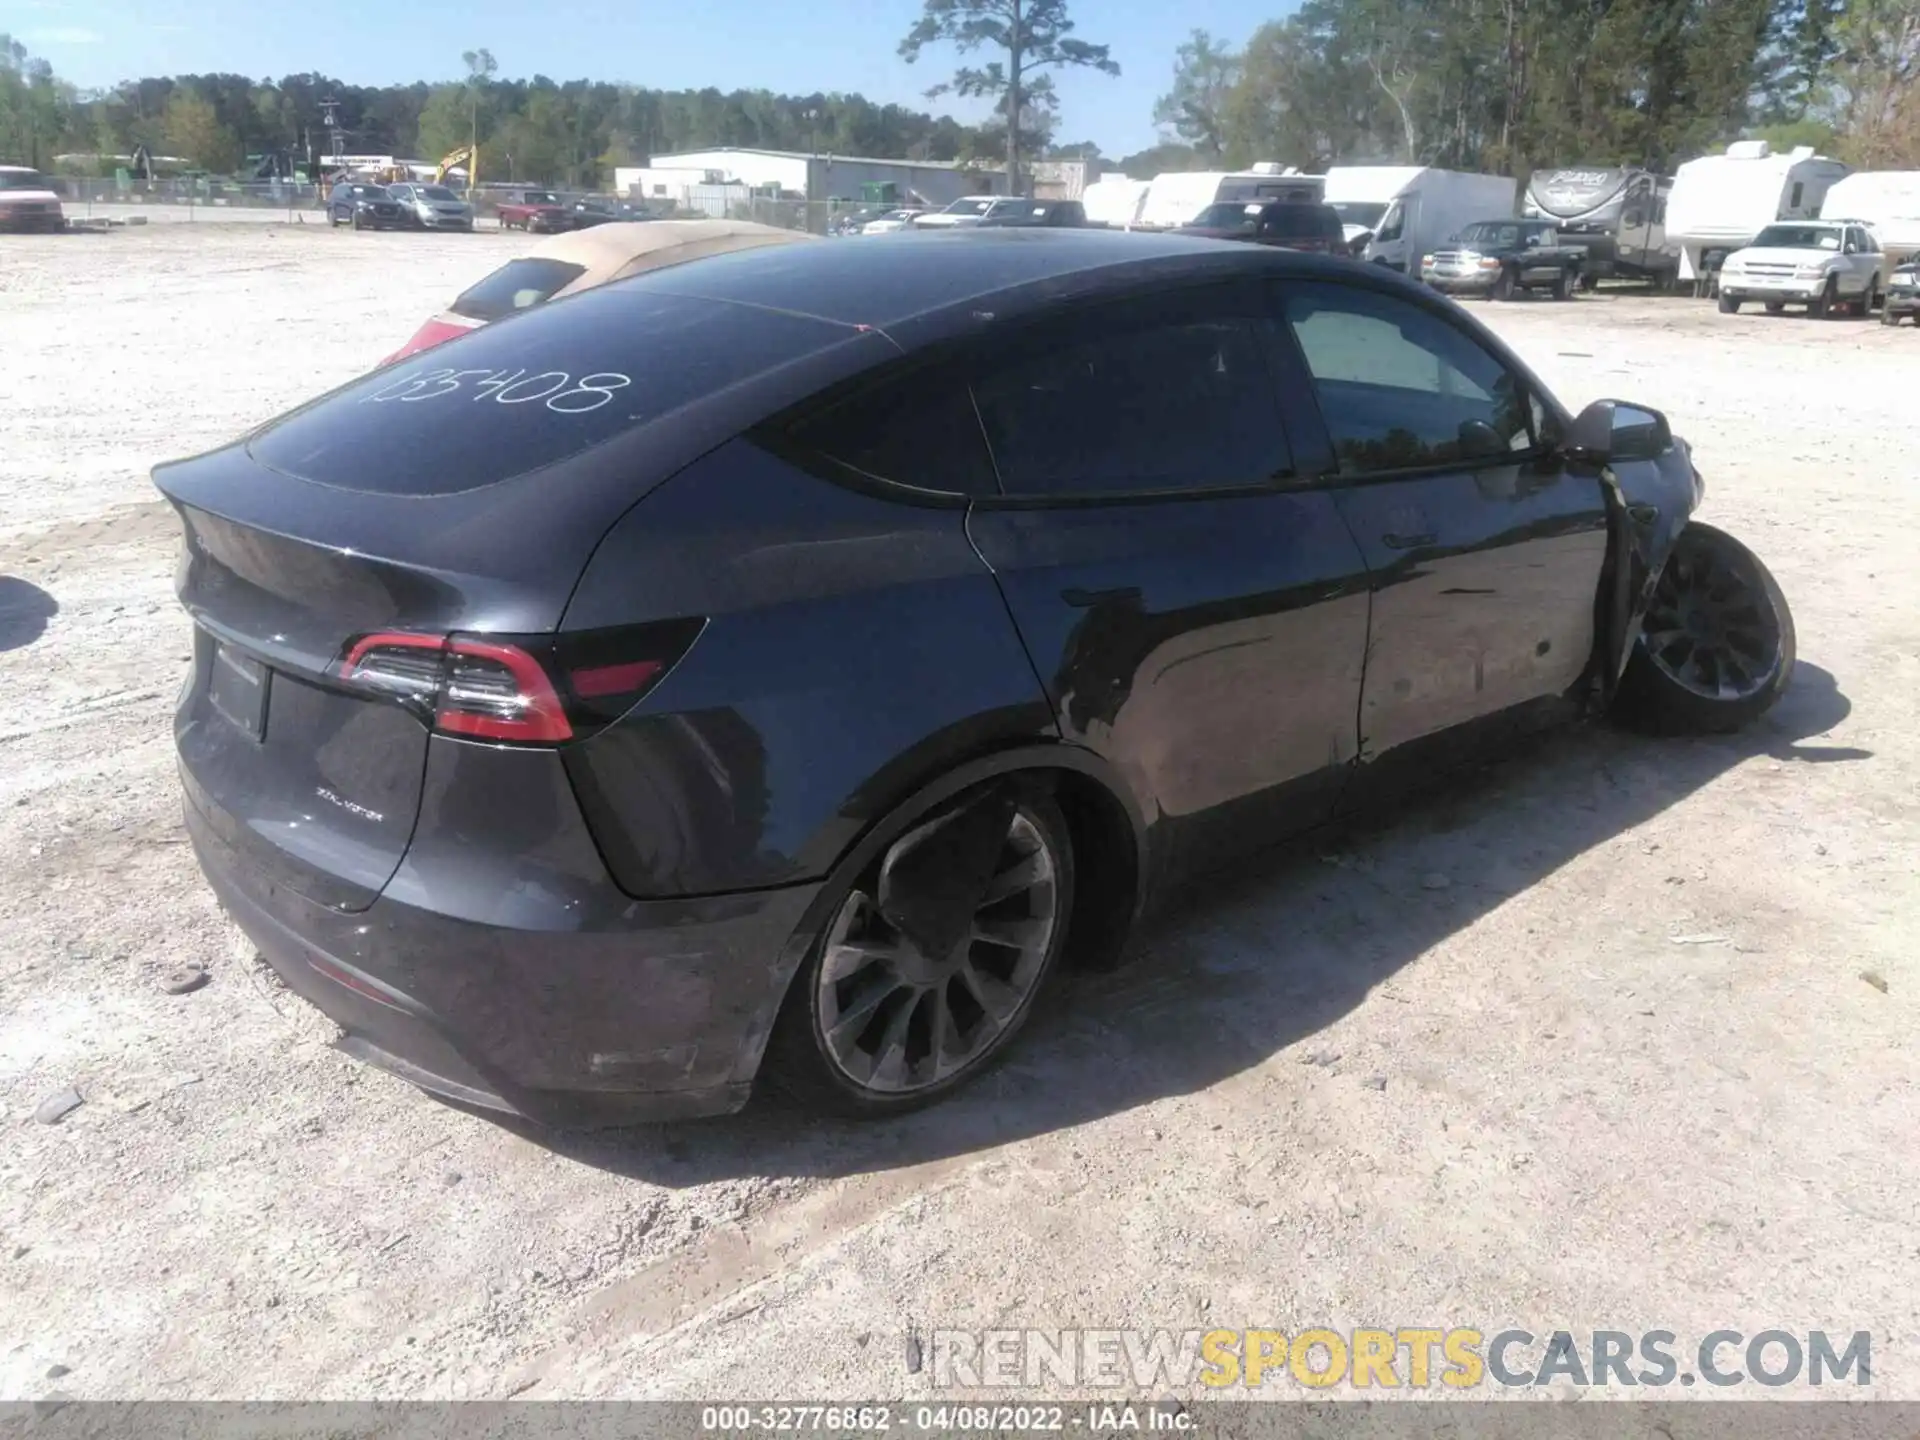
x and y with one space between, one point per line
1498 258
533 210
892 220
1822 264
28 201
581 259
1292 224
1031 214
591 210
432 207
365 207
852 222
723 674
1903 295
968 211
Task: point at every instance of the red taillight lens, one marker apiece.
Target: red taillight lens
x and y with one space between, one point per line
528 690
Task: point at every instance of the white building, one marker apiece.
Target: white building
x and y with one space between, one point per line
704 177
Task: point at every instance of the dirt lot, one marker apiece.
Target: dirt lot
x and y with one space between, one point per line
1647 1061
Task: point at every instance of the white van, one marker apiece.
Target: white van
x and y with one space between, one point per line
1887 202
1114 200
1423 208
1175 197
1720 202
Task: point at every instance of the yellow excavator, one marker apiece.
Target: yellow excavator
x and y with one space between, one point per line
463 156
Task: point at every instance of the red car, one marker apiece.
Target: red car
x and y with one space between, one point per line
534 210
582 259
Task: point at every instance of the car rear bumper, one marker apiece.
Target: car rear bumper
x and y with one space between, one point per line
659 1012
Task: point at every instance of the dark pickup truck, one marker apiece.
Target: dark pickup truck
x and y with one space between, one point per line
1496 258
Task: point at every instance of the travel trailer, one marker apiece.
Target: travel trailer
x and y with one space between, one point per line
1114 200
1418 209
1720 202
1619 213
1176 197
1887 202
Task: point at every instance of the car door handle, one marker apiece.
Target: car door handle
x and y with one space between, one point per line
1408 542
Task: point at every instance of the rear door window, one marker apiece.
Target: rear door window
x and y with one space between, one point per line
1131 403
517 285
512 398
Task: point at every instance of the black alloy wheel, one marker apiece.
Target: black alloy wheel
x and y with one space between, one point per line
932 962
1717 647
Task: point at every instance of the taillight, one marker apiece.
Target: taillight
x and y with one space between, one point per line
527 690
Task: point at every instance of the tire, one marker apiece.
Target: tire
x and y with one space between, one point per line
1887 317
817 1074
1824 304
1718 621
1871 301
1776 307
1728 305
1503 288
354 221
1563 285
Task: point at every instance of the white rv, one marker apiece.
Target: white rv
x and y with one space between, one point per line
1114 200
1176 197
1887 202
1720 202
1618 214
1419 209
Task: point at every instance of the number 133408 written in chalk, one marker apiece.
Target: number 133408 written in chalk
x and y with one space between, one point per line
559 391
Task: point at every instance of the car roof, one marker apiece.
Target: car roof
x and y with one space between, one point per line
916 284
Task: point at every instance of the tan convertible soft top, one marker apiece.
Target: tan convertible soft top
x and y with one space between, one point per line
628 247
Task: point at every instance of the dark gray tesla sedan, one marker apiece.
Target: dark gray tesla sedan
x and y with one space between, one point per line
786 663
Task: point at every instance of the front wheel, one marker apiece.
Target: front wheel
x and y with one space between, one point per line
1728 304
1825 303
1563 285
932 961
1504 286
1716 650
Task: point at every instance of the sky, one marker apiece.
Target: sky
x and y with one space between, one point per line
796 48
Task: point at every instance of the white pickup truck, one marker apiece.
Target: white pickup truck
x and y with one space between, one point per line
1821 264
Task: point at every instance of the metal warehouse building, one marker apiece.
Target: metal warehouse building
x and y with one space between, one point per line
736 173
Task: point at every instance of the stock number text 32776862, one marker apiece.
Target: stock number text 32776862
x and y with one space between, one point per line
558 390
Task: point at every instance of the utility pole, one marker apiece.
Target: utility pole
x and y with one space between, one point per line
336 137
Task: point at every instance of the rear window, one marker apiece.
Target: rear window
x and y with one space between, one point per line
1229 217
547 385
517 285
1305 220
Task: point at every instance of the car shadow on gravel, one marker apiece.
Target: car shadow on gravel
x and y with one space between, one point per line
1262 958
24 611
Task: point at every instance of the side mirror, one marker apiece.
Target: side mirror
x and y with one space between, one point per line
1610 431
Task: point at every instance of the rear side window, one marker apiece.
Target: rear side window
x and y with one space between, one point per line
920 431
515 286
1400 388
1172 406
512 398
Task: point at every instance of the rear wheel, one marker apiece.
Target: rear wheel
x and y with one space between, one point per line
932 961
1716 650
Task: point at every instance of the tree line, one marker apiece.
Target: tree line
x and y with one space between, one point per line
1512 85
570 133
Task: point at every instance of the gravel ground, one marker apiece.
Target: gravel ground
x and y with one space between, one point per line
1646 1060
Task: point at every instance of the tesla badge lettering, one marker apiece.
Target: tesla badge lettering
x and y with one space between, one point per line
558 390
347 805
